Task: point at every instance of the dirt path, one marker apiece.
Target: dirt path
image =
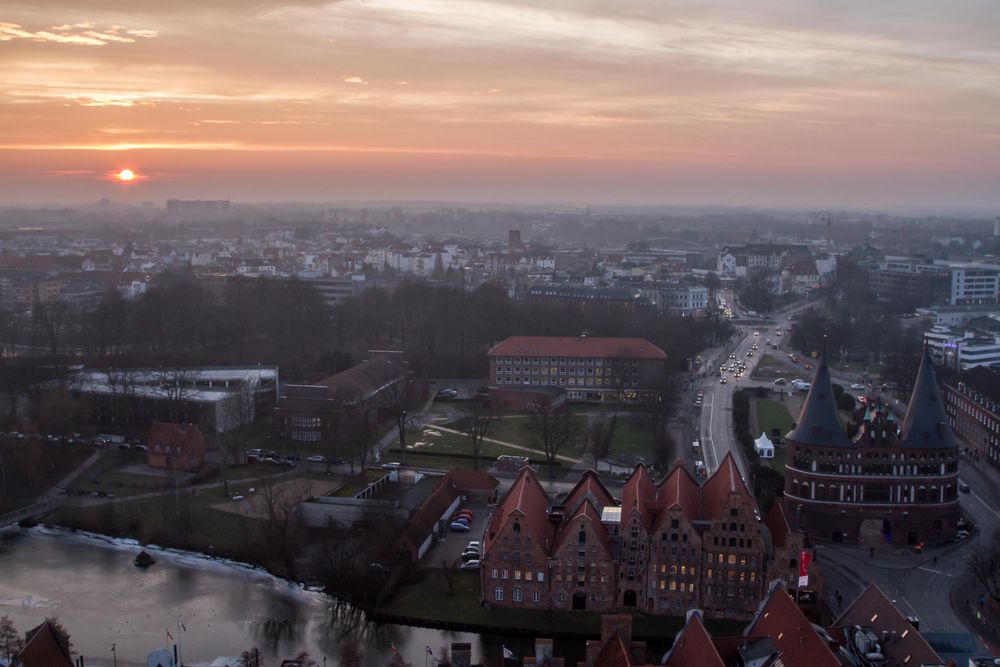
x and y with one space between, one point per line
509 444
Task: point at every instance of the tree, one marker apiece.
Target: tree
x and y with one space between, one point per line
601 433
10 639
359 438
551 430
475 421
176 387
984 565
277 505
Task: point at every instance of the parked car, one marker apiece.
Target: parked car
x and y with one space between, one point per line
462 520
392 465
294 457
473 544
447 394
459 527
469 565
251 458
316 458
140 448
124 446
271 461
963 487
470 555
237 498
780 381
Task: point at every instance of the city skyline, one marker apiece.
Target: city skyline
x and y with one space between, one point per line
853 105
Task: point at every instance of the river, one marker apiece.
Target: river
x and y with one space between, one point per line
92 587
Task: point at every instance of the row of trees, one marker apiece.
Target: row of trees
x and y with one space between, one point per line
446 329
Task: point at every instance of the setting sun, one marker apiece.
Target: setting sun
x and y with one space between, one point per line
126 175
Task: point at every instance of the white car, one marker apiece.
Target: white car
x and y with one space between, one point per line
469 565
316 458
857 386
393 465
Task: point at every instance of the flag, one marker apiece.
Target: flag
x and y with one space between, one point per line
183 627
395 651
430 651
508 654
169 636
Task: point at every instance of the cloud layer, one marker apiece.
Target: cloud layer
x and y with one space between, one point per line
907 92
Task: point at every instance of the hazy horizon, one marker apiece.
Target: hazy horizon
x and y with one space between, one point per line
853 106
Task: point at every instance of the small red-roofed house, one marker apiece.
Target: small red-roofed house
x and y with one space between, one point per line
176 446
43 648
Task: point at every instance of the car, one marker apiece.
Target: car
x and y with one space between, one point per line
722 380
807 366
780 381
857 385
466 513
473 544
140 448
447 394
237 498
316 458
459 527
251 458
255 452
463 520
336 460
271 461
392 465
124 446
294 457
963 487
469 565
470 555
732 356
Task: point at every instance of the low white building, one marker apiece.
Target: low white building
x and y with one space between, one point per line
764 447
976 344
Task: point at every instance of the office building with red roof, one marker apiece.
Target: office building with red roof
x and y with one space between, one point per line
901 477
666 548
587 368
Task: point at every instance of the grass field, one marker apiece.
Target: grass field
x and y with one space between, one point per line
771 414
631 438
769 368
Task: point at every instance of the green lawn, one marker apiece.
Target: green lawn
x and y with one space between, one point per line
769 368
631 438
770 415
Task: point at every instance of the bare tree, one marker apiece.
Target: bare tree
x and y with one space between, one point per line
984 565
551 430
51 318
121 386
600 433
359 438
175 386
475 421
277 505
10 639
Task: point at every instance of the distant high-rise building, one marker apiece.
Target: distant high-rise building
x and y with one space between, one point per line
514 238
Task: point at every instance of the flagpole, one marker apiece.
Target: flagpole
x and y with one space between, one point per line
180 652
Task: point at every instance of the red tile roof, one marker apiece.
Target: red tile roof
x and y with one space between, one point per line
681 490
723 482
792 633
614 654
527 499
568 346
569 528
589 485
874 610
43 649
777 525
638 493
693 646
472 480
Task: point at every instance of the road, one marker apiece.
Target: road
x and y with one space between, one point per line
716 426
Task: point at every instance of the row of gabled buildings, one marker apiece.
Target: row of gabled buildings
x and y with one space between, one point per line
662 548
870 632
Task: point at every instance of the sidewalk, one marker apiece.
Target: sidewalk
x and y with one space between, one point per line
976 610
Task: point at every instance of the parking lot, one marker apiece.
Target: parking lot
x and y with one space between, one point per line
450 546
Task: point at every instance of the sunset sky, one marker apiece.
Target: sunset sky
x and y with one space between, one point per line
766 102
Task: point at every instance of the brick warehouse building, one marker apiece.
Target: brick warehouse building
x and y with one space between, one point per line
904 477
666 548
594 369
972 401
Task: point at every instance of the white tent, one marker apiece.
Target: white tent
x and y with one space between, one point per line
764 447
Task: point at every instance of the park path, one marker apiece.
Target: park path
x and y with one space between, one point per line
570 459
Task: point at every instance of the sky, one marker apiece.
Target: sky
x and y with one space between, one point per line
773 103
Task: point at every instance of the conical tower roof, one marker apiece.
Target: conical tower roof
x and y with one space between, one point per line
818 423
926 424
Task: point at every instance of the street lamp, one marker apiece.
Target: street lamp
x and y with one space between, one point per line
402 436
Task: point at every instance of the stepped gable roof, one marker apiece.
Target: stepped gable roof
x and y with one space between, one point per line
637 494
794 636
926 424
527 500
777 524
571 346
818 423
568 530
589 486
723 482
43 648
680 489
693 645
872 609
